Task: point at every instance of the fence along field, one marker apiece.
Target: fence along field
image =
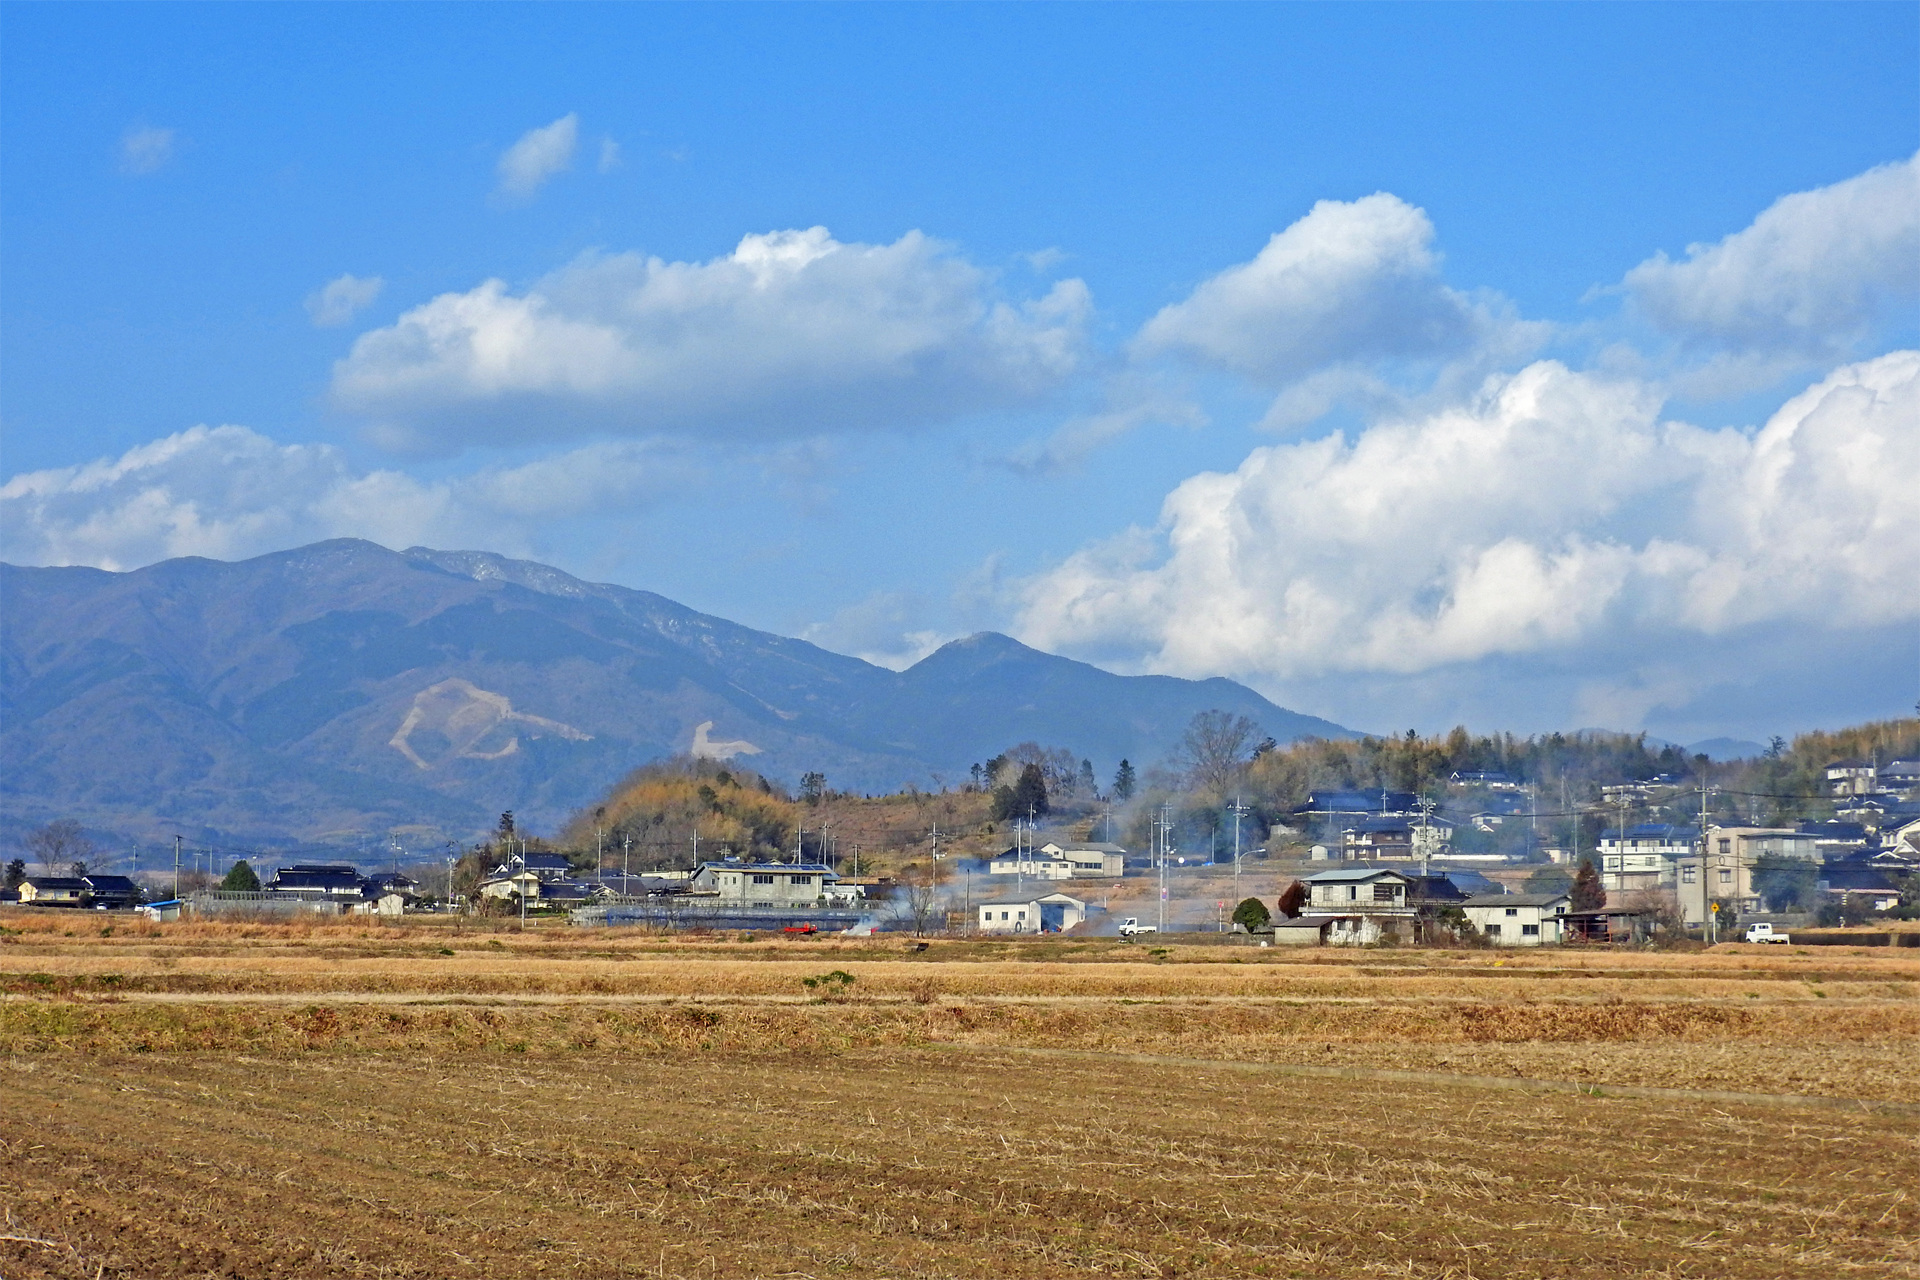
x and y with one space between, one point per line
334 1099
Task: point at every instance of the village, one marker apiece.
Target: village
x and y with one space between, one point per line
1345 868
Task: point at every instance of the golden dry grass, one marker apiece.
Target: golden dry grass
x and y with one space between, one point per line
436 1100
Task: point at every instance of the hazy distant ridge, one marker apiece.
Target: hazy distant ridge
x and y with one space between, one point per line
342 687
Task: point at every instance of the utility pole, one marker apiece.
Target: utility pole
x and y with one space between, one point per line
1164 813
1705 899
936 866
626 848
1238 809
176 868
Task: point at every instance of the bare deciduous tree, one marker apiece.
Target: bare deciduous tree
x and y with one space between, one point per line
918 900
58 845
1214 749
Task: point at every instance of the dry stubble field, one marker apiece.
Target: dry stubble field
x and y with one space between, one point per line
347 1100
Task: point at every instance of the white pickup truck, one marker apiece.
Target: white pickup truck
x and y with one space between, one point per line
1763 932
1131 925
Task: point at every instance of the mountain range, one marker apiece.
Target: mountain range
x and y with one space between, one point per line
343 690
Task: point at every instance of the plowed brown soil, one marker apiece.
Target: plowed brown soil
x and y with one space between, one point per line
1210 1112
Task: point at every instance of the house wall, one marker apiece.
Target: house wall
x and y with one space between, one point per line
1512 924
1005 917
753 885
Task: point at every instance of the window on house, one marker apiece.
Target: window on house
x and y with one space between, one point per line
1529 930
1493 931
763 879
1686 874
1353 893
1513 911
800 879
1385 892
1726 875
1726 847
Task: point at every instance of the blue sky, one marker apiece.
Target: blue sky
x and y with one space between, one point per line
1478 437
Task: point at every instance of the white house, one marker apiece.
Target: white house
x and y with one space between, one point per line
738 883
1054 861
1852 778
1360 905
1643 857
1519 919
1047 913
1038 863
1091 860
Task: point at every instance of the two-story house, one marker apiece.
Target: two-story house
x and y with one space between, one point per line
1393 839
1360 905
1054 861
1852 778
319 881
1644 857
1045 863
737 883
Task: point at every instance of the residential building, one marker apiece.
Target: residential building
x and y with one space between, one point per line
548 866
1752 843
1643 857
1045 913
1520 919
1899 775
113 893
336 881
1091 859
1852 778
1381 801
769 885
1835 839
53 891
1729 882
1036 863
1393 839
1491 779
1360 904
1864 883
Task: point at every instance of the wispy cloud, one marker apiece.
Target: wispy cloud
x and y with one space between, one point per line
539 154
340 299
145 149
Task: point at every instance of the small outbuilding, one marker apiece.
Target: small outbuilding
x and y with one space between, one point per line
1047 913
1519 919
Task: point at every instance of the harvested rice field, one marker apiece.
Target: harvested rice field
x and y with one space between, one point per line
335 1099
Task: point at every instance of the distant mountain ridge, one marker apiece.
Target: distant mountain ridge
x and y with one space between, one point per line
342 689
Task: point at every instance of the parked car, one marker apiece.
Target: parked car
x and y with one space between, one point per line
1131 925
804 928
1763 932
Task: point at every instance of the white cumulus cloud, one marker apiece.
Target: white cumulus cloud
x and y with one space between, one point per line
1812 275
539 154
145 149
229 492
1351 283
790 334
340 299
1554 510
